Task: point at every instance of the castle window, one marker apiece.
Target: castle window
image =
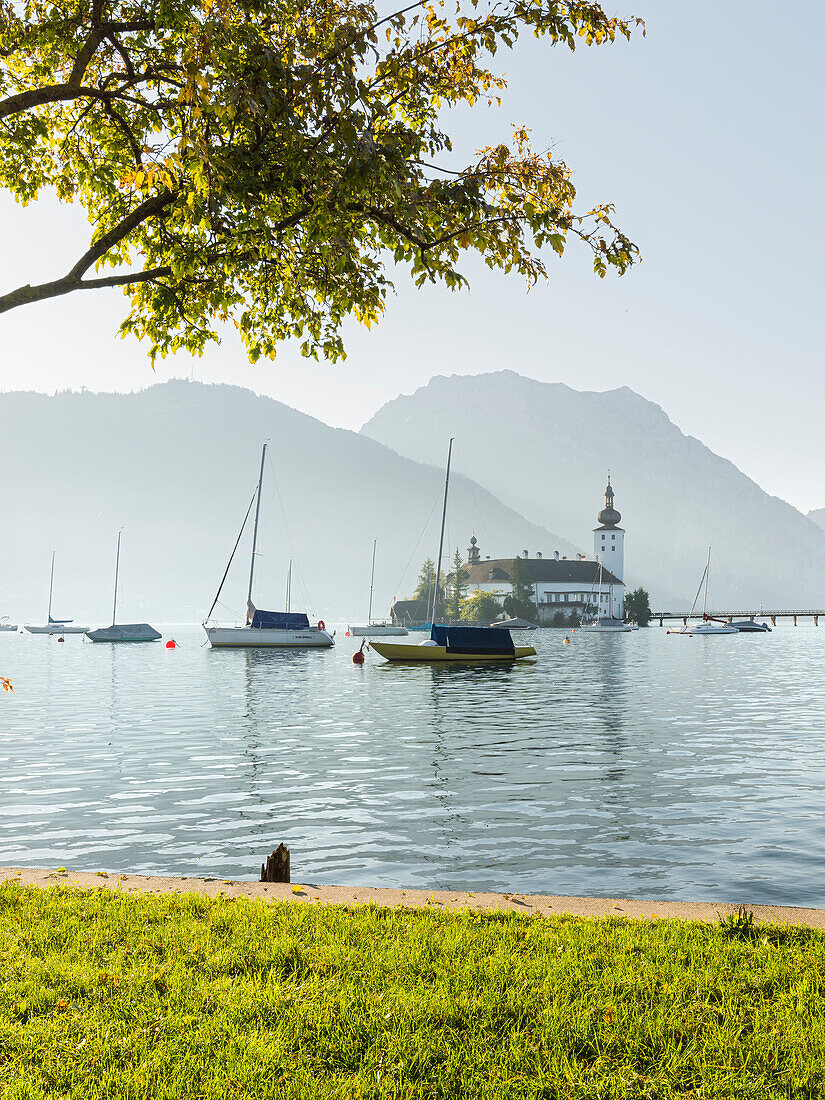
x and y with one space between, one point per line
613 537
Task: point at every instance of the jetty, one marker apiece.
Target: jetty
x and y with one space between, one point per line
793 613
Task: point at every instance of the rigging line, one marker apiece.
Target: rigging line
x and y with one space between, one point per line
231 556
232 610
289 533
698 590
418 543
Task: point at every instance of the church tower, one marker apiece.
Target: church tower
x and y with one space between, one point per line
473 552
608 538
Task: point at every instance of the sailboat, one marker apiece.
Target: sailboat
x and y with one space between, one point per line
454 643
708 625
604 624
270 629
55 626
122 632
380 629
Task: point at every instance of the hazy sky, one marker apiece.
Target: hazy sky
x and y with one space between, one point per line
706 135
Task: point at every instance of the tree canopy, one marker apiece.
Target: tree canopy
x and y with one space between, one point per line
263 162
520 603
482 607
637 607
456 584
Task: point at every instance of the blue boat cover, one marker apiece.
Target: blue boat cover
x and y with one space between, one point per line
473 639
58 621
278 620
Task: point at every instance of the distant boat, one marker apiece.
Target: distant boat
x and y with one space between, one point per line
122 632
6 625
380 629
267 629
604 624
55 626
454 643
708 625
748 626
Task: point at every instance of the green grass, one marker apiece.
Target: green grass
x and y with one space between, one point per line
108 995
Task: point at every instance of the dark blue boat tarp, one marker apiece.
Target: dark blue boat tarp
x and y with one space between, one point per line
278 620
473 639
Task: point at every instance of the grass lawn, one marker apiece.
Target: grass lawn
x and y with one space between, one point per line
108 995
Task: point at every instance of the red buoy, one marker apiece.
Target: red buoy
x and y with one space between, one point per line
358 658
171 644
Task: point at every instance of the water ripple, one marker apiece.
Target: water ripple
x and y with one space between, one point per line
625 765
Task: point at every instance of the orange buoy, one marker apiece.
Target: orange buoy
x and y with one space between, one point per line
61 639
171 644
567 641
358 658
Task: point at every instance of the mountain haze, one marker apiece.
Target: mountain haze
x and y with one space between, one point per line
175 465
546 449
818 516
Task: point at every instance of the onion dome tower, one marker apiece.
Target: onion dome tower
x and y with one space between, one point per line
608 537
473 552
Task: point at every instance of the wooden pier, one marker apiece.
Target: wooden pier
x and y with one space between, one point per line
683 616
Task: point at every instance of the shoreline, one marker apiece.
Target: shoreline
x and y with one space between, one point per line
325 894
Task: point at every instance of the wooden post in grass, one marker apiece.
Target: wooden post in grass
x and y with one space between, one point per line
276 868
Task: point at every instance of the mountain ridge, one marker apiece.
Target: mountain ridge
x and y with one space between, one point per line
175 464
554 447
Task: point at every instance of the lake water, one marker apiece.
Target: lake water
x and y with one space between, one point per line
636 765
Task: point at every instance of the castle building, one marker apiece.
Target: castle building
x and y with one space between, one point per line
562 583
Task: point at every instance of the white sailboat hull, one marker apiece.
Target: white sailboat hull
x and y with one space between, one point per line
56 628
245 637
378 631
606 628
710 628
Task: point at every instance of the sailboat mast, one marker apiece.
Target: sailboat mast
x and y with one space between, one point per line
51 586
707 579
255 535
441 539
372 580
117 571
289 585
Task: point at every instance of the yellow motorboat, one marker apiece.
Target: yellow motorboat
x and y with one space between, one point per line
457 643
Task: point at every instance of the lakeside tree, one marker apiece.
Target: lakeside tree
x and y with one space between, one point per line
520 603
263 162
457 587
482 607
425 588
637 607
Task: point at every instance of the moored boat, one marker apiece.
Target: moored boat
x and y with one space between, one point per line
748 626
708 626
603 624
381 629
54 626
454 643
457 643
264 629
125 632
122 632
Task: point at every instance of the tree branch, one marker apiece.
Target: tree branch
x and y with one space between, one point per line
73 279
26 295
147 209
